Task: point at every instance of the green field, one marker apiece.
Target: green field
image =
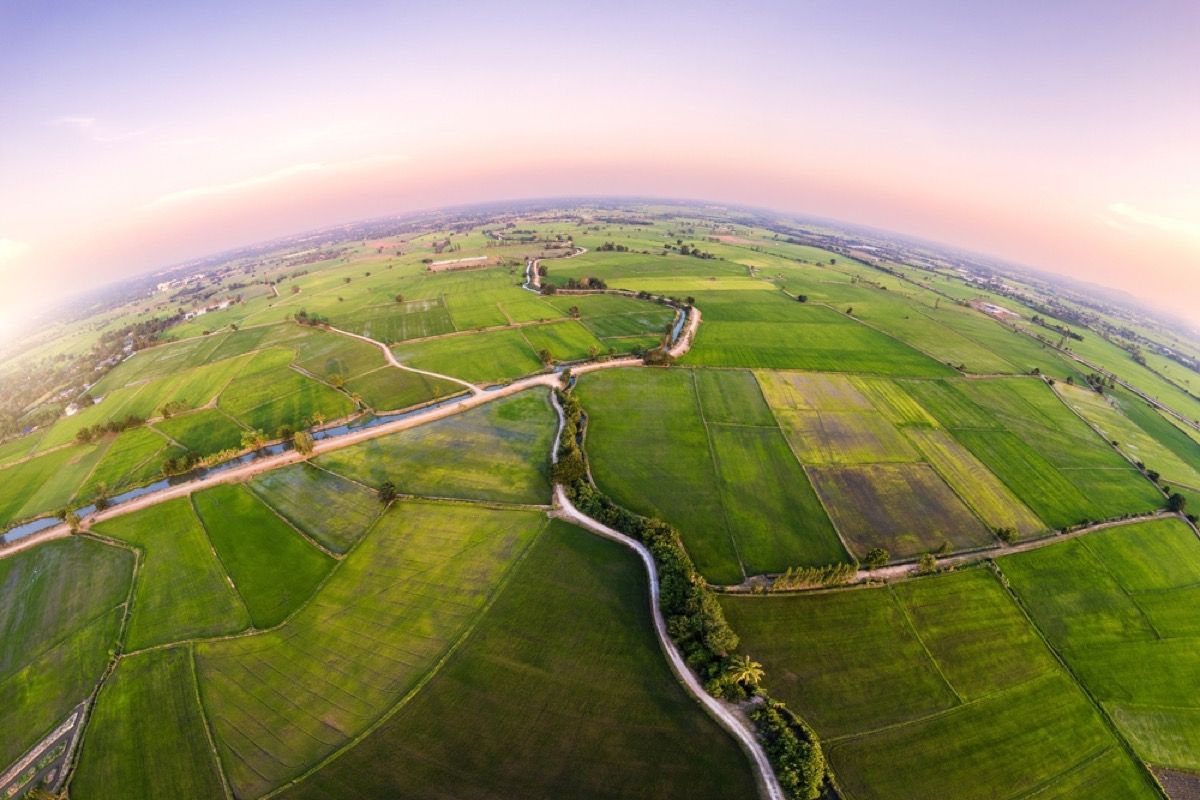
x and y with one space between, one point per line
147 733
1121 606
135 456
492 357
499 451
391 389
936 688
204 432
60 611
272 566
560 691
280 701
739 498
332 510
810 337
974 483
904 508
1177 458
182 590
47 483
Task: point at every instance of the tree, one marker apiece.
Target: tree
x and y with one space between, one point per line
387 492
803 298
1176 503
101 502
743 670
545 356
399 298
1006 535
876 557
927 564
72 520
253 440
303 442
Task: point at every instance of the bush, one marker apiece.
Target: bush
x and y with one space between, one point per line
793 749
808 577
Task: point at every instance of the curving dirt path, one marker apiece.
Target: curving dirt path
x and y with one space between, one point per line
533 281
392 361
726 717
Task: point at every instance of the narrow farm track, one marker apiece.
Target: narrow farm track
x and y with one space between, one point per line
898 572
477 398
725 716
734 723
392 360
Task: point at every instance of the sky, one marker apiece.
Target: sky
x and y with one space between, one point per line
1061 135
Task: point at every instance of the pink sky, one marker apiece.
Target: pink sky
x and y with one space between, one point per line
1064 139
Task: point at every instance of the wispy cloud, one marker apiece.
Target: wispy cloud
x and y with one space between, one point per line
96 131
1124 216
259 181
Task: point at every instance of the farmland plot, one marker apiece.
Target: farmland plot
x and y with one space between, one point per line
148 714
904 508
272 566
331 509
282 700
204 432
182 591
967 698
738 497
499 451
611 721
1121 606
60 613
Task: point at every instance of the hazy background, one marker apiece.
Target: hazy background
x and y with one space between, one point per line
1062 135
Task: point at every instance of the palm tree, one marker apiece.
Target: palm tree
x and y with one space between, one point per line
743 670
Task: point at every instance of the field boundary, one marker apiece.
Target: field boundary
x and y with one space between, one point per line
1096 704
429 675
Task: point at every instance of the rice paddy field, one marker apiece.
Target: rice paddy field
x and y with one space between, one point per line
559 691
1121 606
327 508
60 613
282 700
498 452
739 498
936 687
289 633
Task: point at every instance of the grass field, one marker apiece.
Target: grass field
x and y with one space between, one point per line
46 483
182 591
135 456
332 510
1179 462
499 451
809 337
735 491
492 357
147 735
904 508
272 566
974 483
938 687
204 432
561 691
59 616
1121 606
282 700
391 389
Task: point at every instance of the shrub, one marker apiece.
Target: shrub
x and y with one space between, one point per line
793 749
